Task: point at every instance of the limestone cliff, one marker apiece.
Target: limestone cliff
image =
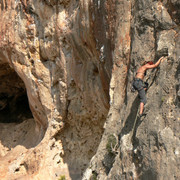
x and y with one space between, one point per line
74 60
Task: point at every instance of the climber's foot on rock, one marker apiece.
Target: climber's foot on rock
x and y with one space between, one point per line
142 115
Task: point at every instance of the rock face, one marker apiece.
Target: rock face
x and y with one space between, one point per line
148 149
76 60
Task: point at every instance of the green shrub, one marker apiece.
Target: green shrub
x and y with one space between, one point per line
63 177
112 142
162 99
94 176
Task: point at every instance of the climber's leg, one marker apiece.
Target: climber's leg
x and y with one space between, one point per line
141 108
142 96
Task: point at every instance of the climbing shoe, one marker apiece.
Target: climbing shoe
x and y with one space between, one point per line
141 115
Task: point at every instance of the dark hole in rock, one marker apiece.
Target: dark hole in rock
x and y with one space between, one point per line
96 70
14 109
14 106
17 124
16 170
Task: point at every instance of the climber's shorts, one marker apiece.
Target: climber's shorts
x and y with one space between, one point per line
139 85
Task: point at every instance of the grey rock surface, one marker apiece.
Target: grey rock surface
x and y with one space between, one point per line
148 149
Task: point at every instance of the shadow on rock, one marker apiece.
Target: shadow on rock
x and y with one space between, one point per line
131 118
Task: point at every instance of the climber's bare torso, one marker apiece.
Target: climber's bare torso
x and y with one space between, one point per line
141 72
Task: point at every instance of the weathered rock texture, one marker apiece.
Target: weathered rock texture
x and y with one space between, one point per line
76 59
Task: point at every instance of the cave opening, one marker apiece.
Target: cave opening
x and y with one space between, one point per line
16 120
14 109
14 105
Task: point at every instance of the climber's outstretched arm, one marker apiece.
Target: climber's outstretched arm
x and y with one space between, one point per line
148 66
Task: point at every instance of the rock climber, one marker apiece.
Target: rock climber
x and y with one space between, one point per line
139 84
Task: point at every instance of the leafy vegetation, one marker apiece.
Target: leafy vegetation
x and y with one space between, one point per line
111 144
63 177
